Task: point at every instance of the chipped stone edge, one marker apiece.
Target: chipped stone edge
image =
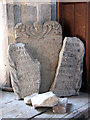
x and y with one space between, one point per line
78 85
13 69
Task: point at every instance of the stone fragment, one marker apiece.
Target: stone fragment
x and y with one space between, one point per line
27 99
61 107
47 99
68 77
44 42
24 70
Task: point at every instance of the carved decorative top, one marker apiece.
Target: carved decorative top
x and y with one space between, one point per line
44 41
38 30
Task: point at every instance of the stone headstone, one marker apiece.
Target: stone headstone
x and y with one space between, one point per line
44 42
68 77
28 12
48 99
24 70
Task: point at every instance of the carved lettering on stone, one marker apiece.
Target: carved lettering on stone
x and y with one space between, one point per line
68 77
44 42
24 70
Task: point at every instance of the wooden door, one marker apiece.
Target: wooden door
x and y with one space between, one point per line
75 21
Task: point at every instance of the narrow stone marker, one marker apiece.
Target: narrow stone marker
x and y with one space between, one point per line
24 70
68 77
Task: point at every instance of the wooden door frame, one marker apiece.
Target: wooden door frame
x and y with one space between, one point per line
59 17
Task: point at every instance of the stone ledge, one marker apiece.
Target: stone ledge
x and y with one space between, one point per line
12 108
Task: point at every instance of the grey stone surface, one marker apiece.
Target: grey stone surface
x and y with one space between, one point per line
61 107
24 70
25 12
10 22
17 13
47 99
31 13
28 12
44 42
27 99
68 77
43 12
53 11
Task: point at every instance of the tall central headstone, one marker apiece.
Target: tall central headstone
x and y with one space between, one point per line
44 42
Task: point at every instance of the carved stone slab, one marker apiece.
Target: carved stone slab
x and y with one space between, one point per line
44 42
70 67
24 70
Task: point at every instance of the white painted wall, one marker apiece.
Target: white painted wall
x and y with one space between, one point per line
4 73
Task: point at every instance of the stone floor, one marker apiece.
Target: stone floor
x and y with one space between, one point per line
10 107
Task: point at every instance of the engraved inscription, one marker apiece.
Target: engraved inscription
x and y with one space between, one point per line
25 71
70 67
44 42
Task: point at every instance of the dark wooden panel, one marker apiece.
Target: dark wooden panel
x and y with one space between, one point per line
68 19
59 12
80 30
75 21
80 20
88 43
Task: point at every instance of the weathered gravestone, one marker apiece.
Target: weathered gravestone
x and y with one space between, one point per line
24 70
44 42
70 67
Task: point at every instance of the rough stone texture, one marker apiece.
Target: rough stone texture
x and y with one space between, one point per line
61 107
27 99
13 13
47 99
24 70
28 13
68 77
44 42
10 22
44 12
53 11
